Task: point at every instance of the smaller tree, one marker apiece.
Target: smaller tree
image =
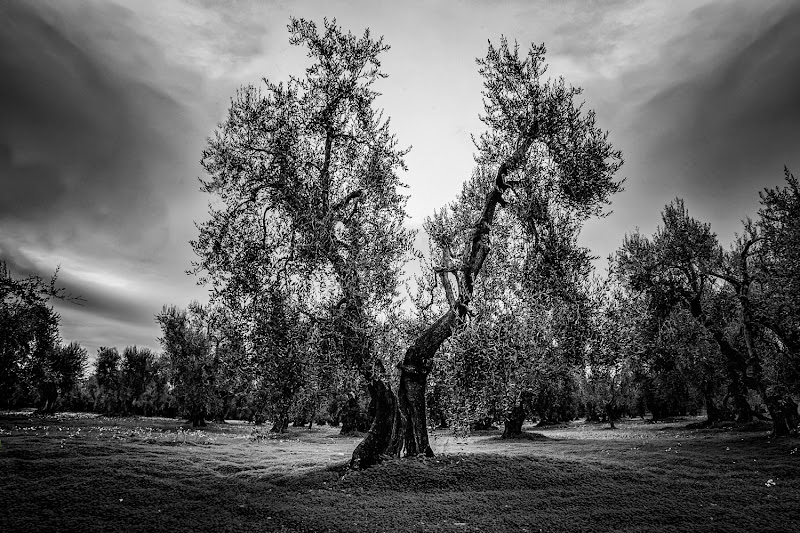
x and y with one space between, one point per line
279 343
28 335
107 374
681 269
136 373
157 397
186 342
55 372
675 269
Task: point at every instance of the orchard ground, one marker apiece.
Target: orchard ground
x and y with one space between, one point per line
80 472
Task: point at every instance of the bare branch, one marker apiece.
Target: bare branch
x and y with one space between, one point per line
341 204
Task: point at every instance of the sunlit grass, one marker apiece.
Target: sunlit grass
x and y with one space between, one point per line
96 473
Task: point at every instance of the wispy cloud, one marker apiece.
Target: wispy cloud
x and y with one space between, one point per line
100 134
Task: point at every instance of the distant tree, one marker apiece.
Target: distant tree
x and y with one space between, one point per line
156 399
136 372
281 353
34 366
229 367
738 270
761 270
186 342
776 291
777 266
681 266
109 383
137 382
561 169
80 397
676 268
611 340
662 359
55 372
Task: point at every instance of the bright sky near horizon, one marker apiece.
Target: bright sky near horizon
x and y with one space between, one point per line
105 107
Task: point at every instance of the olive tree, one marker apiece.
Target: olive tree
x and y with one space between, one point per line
305 181
778 267
515 354
307 200
560 168
761 270
136 371
186 341
34 364
683 266
56 371
108 398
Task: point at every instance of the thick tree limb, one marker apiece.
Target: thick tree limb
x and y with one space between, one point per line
341 204
418 359
448 289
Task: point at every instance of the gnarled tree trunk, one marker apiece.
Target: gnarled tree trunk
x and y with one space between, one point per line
512 424
385 433
782 408
280 424
400 422
414 371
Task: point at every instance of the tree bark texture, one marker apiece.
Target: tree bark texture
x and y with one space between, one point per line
414 371
385 432
512 425
280 424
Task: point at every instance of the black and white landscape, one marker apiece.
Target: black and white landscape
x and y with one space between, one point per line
419 266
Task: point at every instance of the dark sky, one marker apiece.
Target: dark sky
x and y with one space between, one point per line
99 142
105 107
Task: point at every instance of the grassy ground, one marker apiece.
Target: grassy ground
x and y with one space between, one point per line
86 473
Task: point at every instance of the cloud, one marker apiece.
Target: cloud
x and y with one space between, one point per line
707 111
100 137
727 127
83 146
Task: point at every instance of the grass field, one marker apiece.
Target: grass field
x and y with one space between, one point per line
78 472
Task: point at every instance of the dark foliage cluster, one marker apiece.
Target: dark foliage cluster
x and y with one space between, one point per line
716 327
36 367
